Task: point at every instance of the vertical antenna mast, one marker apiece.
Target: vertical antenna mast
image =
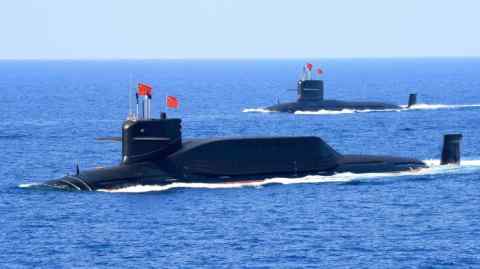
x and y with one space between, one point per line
166 102
145 107
150 105
136 95
130 116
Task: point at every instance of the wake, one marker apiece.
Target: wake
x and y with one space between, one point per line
257 110
351 111
434 168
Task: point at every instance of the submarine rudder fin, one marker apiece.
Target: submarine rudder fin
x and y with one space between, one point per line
412 100
451 149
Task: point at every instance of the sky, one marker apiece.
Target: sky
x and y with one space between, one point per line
244 29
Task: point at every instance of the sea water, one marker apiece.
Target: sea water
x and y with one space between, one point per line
52 111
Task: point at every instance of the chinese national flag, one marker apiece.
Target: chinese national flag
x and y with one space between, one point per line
144 89
172 102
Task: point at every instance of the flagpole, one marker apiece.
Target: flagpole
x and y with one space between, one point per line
145 107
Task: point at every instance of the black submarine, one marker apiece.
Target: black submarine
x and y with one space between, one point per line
154 153
311 98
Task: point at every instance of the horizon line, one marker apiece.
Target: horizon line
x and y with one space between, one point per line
240 58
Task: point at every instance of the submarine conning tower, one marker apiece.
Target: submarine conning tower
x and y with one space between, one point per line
149 139
310 90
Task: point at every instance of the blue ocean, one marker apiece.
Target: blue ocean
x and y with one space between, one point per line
53 111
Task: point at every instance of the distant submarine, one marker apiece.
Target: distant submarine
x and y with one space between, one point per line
154 153
311 98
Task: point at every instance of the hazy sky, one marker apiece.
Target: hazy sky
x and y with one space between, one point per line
238 28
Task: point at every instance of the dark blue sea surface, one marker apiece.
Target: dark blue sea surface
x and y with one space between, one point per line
52 111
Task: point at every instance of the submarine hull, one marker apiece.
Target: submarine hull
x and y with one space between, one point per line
334 105
153 153
311 98
235 160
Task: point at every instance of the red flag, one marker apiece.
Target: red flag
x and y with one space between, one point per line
319 71
309 66
144 89
172 102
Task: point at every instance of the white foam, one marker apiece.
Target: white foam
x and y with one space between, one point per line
437 106
343 111
176 185
29 185
351 111
257 110
433 168
403 108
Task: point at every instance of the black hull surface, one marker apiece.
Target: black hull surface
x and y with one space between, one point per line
125 176
227 160
334 105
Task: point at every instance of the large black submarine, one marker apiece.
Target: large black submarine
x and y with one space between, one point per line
154 153
311 98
